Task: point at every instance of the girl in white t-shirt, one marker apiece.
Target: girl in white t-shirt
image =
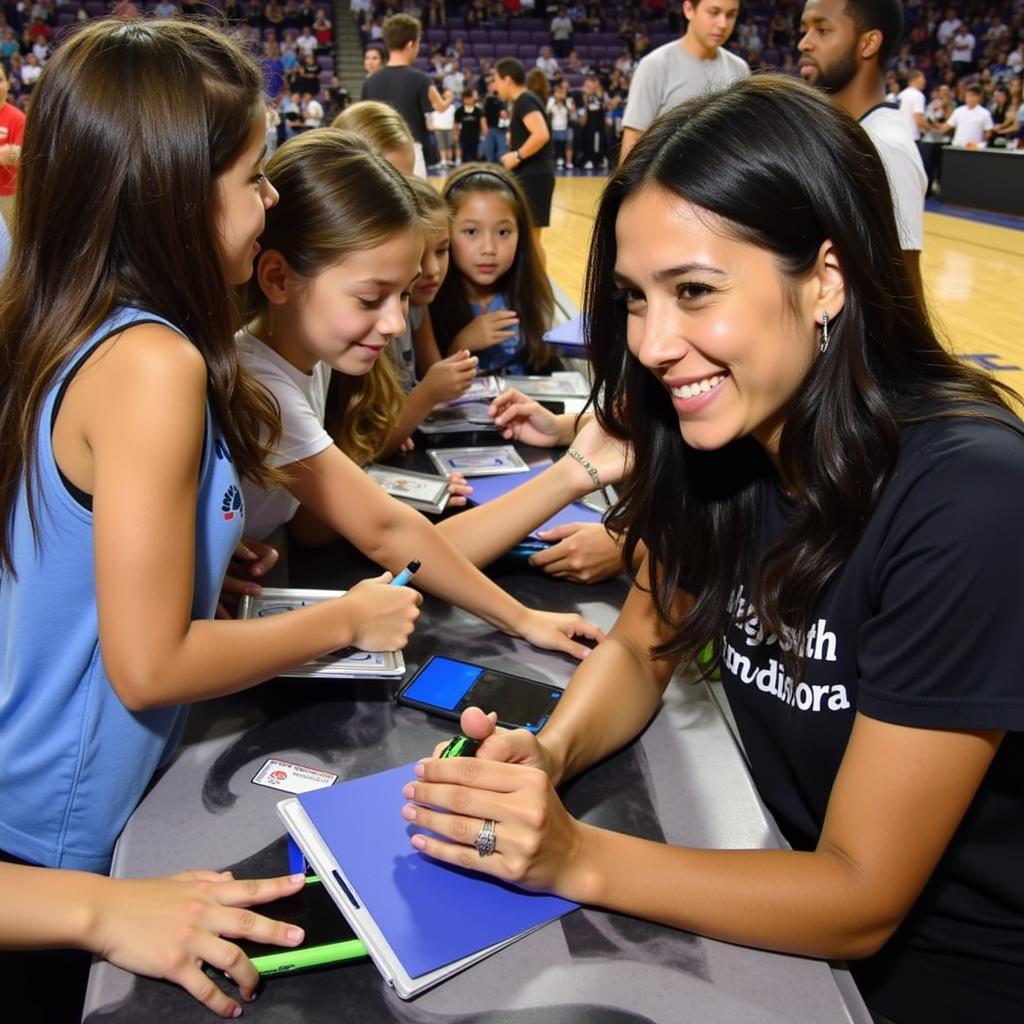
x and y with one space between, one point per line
338 259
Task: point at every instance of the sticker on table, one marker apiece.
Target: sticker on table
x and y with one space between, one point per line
479 461
292 778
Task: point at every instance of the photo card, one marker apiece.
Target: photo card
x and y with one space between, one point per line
486 460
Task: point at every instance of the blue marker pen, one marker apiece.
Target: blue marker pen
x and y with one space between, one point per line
406 574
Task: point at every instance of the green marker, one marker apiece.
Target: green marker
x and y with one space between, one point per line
293 960
461 746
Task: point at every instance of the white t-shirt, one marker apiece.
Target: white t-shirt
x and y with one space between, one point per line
444 120
669 75
402 350
313 115
962 48
911 103
903 167
306 43
560 113
302 399
947 30
970 123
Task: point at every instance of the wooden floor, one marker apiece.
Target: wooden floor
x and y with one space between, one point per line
973 274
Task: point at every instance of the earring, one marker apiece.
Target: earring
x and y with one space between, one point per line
824 331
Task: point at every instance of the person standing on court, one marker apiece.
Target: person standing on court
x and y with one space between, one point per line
531 155
401 86
844 48
680 70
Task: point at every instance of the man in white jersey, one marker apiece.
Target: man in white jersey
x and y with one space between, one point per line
912 103
972 124
685 68
844 48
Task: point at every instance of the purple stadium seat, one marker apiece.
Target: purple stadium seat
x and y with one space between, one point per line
518 37
326 63
469 63
483 50
772 58
497 35
504 50
532 24
421 64
540 38
478 35
95 9
63 20
325 79
433 36
456 24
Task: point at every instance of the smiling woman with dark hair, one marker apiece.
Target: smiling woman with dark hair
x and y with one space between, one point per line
834 502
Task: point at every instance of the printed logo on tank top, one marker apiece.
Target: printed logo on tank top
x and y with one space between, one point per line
231 503
750 657
221 450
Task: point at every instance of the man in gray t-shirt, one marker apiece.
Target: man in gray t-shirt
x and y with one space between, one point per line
685 68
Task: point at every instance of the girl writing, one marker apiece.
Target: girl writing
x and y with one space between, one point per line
828 496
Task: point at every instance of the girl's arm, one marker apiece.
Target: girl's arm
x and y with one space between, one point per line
160 927
488 531
138 406
392 534
898 799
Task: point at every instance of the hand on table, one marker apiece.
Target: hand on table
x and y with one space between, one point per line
554 631
580 552
383 617
165 927
459 488
252 560
612 458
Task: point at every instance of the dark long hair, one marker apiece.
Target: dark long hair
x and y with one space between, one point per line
128 128
524 285
785 170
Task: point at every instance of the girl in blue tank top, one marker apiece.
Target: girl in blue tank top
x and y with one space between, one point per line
126 425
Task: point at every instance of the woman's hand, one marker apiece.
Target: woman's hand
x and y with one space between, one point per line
538 844
251 561
164 928
459 489
487 330
554 631
513 746
584 553
382 617
522 419
448 378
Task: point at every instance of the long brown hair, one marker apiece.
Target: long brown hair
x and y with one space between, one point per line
129 127
524 285
339 196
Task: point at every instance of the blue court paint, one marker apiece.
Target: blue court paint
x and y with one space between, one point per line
988 361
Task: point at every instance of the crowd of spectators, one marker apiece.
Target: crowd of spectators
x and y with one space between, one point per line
587 52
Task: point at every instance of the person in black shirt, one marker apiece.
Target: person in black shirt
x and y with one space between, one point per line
834 501
469 120
531 155
496 116
401 86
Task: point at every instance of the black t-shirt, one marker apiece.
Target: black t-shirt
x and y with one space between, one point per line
469 127
405 89
493 108
542 162
922 627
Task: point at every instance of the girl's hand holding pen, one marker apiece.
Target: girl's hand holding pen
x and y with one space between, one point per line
383 617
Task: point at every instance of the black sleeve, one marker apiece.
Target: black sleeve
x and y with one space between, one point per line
943 649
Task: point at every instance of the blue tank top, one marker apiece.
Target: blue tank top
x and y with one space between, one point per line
74 761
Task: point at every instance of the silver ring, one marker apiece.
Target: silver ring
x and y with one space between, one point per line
486 839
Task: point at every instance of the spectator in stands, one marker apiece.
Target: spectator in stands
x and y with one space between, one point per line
594 116
561 32
167 9
547 62
306 41
12 130
961 51
844 46
312 111
273 15
324 31
971 124
687 67
307 75
401 86
454 80
273 69
948 28
374 58
444 125
9 46
30 73
537 83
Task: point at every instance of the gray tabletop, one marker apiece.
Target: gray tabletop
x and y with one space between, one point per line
683 781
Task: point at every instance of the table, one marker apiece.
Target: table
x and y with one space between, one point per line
987 179
682 781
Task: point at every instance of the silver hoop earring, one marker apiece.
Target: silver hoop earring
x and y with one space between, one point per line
824 331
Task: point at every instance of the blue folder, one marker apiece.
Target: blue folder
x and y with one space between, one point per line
568 337
487 488
430 914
